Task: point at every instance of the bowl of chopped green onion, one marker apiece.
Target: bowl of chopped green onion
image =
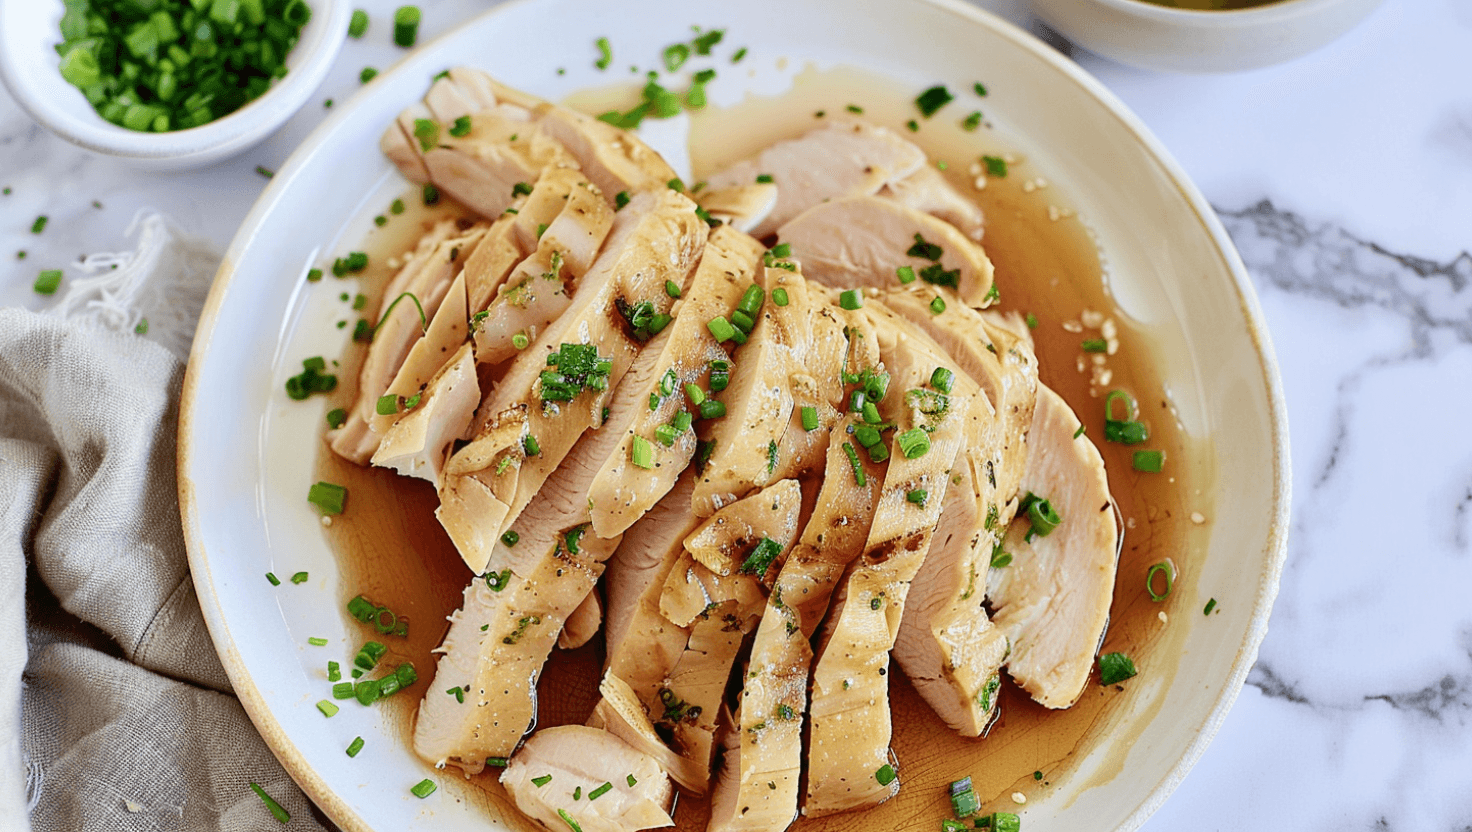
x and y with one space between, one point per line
167 84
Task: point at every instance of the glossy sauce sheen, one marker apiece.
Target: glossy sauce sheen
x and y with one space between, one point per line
393 551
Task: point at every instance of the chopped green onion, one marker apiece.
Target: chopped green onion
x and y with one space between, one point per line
742 321
406 674
327 497
938 305
995 166
1095 345
427 131
851 299
949 825
809 417
1151 462
277 812
334 671
359 24
913 443
328 709
913 126
942 379
964 802
1002 821
972 121
871 413
39 225
600 791
682 421
666 434
520 341
853 460
924 250
430 194
672 288
917 496
1043 516
1115 668
930 101
721 329
48 282
906 274
867 436
355 746
461 127
387 405
367 74
369 655
1210 605
712 409
642 453
342 690
539 782
620 200
424 788
567 819
1166 568
761 557
764 178
406 30
696 395
530 445
317 642
275 581
878 453
1001 558
751 299
885 774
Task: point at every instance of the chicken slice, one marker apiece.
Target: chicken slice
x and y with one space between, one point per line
743 207
1053 600
928 191
656 238
849 747
622 492
582 760
419 442
758 786
461 91
620 713
844 157
724 541
864 240
614 160
426 279
582 624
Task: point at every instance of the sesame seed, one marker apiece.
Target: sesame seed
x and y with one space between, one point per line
1198 518
1163 618
1019 798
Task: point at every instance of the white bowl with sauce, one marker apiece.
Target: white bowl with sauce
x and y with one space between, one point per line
1169 39
29 29
1094 214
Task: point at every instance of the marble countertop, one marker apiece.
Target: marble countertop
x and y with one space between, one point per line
1345 178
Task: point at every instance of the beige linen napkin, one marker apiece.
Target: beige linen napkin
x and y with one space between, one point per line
115 713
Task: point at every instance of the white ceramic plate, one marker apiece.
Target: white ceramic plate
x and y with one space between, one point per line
245 450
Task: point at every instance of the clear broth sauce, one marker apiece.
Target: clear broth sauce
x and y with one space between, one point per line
392 550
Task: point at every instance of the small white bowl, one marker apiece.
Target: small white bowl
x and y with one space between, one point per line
1168 39
29 66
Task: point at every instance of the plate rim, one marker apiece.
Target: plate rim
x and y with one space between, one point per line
342 812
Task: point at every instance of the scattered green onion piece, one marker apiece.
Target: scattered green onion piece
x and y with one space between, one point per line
387 405
567 819
856 401
1210 605
942 379
406 674
867 436
430 194
853 460
949 825
751 299
359 24
355 746
696 395
620 200
809 417
779 296
275 581
972 121
520 341
764 178
871 414
742 321
917 496
712 409
328 709
1151 462
906 274
367 74
913 443
334 671
461 127
1166 568
406 29
761 557
1043 516
600 791
995 166
277 812
930 101
672 288
1095 345
666 434
642 453
327 497
1005 821
48 282
539 782
938 305
885 774
342 690
39 225
368 655
878 453
851 299
721 329
682 421
530 445
1115 668
317 642
424 788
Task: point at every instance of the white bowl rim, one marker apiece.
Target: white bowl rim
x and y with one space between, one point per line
1278 11
308 64
343 813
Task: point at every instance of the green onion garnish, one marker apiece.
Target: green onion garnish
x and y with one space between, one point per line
342 690
367 74
924 250
853 460
461 127
942 379
334 671
520 341
712 409
964 802
359 24
275 581
851 299
885 774
530 445
430 194
277 812
809 417
567 819
917 496
47 282
327 497
1126 431
1095 345
1164 568
424 788
995 166
1151 462
867 436
1210 605
642 453
406 31
672 288
913 443
600 791
328 709
1114 668
355 746
930 101
972 121
938 305
721 329
742 321
1043 516
539 782
317 642
906 274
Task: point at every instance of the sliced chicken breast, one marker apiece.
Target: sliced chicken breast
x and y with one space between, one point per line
1053 600
843 157
633 792
928 191
418 443
582 624
864 240
743 207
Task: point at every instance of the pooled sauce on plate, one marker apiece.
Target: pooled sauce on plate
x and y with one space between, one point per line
393 551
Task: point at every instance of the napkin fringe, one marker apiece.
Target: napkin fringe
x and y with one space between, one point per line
156 290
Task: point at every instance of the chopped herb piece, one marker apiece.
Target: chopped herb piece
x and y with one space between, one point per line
275 581
1095 345
367 74
539 782
430 194
740 53
521 189
885 774
620 200
979 89
972 121
1126 431
703 43
853 460
48 282
497 581
600 791
764 178
871 413
809 417
913 443
913 125
277 812
851 299
964 802
1165 568
605 53
300 578
520 341
327 497
1115 668
406 31
867 436
328 709
995 166
938 305
39 225
937 275
675 56
1210 605
396 207
948 825
357 26
1001 558
265 172
742 321
1032 321
721 329
942 379
672 288
712 409
922 249
567 819
917 496
930 101
424 788
779 296
1151 462
1001 822
906 274
342 690
642 453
